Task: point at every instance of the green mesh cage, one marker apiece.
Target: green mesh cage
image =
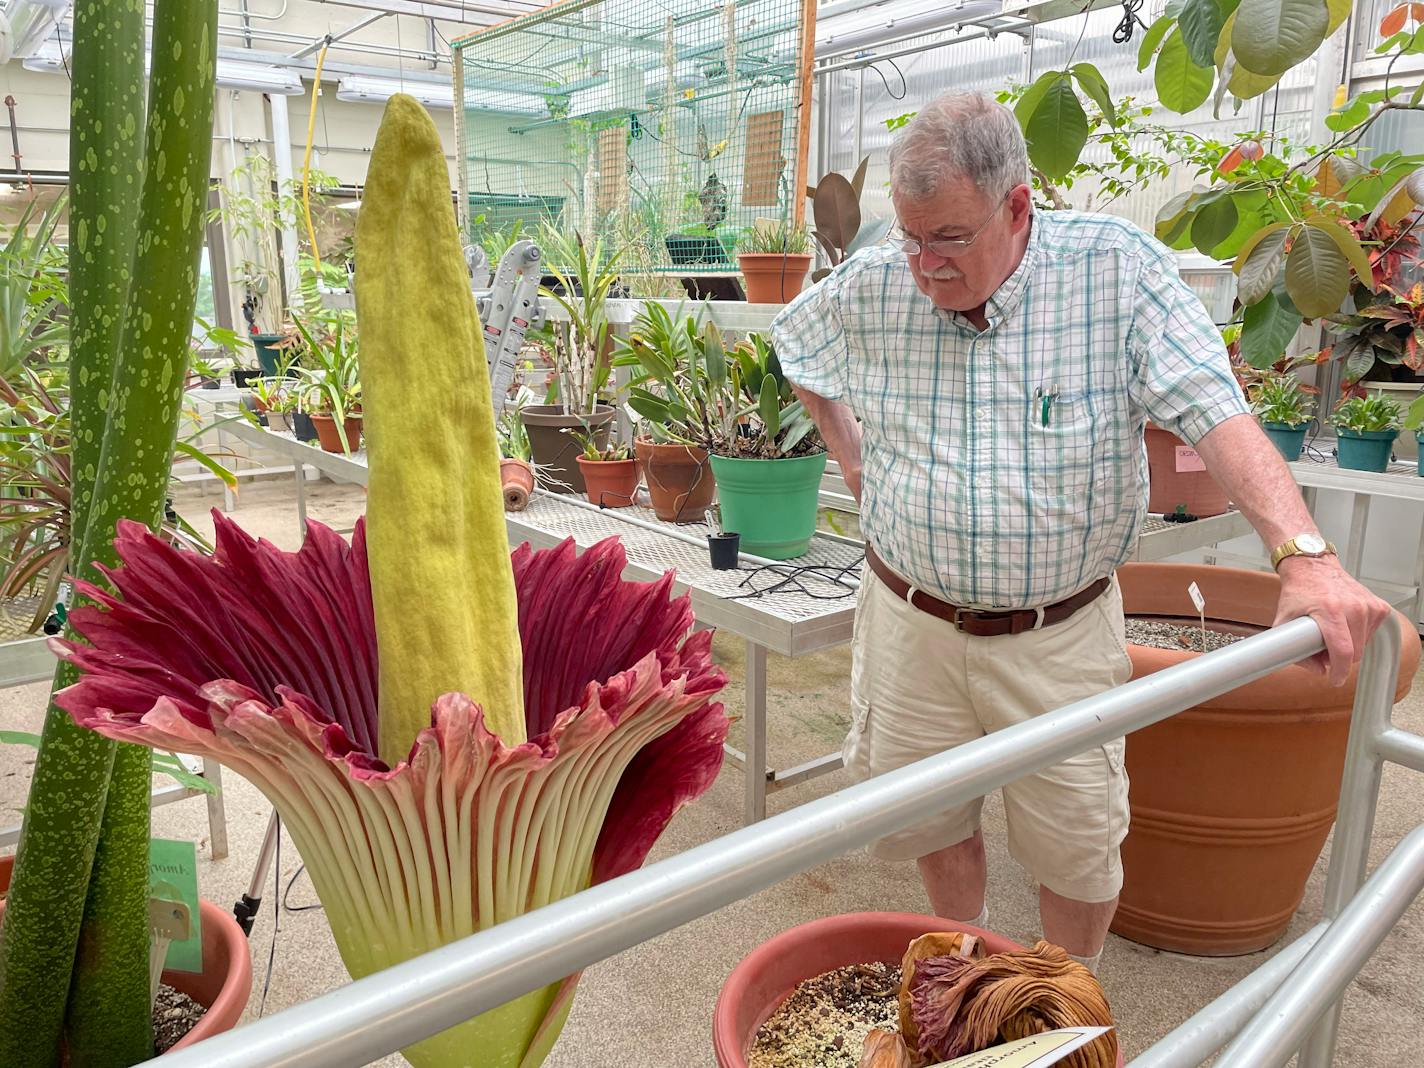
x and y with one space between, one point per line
669 128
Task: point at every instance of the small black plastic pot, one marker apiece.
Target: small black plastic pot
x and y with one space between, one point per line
243 378
725 550
302 426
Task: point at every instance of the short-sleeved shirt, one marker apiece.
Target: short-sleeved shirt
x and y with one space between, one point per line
967 490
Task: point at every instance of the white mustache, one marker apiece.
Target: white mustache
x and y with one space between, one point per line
942 274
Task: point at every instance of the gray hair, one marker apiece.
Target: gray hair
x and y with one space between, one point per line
959 135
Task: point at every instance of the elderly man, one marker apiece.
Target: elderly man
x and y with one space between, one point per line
984 378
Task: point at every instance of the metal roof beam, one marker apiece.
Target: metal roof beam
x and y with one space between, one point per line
432 9
355 27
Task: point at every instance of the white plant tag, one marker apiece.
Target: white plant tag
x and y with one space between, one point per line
1195 593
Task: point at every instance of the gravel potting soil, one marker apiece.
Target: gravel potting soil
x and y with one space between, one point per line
824 1022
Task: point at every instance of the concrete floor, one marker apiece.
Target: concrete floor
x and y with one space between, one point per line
651 1006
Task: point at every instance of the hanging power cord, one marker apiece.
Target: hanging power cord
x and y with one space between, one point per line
1122 34
904 86
306 157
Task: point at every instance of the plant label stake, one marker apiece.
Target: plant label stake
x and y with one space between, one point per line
1195 593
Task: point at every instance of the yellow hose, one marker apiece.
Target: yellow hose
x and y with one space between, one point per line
306 158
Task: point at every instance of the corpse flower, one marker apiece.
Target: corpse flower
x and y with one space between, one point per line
195 654
454 735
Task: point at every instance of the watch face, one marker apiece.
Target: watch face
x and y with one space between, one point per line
1310 543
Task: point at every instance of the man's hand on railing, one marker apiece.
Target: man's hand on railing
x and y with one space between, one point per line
1347 613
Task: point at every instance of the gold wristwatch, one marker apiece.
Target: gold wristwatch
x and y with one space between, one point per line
1302 545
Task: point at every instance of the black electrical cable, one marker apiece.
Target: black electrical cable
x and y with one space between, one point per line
1122 34
904 86
789 578
287 893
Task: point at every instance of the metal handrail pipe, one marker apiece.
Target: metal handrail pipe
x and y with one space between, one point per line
1216 1024
436 990
1401 747
1283 1023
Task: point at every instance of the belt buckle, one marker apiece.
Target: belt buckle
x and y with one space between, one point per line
960 614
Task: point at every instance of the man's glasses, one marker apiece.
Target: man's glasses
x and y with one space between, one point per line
945 248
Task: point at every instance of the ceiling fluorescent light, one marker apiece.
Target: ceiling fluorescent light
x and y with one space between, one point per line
278 81
358 90
231 74
32 22
877 28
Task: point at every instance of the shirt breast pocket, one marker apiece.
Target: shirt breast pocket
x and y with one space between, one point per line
1060 447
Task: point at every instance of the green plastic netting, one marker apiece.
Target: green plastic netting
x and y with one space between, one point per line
669 128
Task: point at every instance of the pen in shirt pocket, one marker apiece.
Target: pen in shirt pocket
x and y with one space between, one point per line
1044 399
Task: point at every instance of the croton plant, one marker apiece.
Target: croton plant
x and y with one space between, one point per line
453 735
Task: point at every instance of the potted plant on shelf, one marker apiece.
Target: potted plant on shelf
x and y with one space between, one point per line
610 472
1284 409
1233 799
1365 429
678 392
774 257
580 348
723 546
1414 420
331 389
769 461
516 475
276 399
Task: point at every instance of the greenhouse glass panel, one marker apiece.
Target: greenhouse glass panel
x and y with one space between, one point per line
666 128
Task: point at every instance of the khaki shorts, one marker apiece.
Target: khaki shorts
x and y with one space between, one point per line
920 686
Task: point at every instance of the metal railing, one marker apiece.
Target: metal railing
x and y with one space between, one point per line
411 1001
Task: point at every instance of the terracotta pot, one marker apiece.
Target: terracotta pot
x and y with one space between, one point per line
769 974
679 480
327 435
1170 487
224 984
555 452
1231 800
773 277
517 479
610 483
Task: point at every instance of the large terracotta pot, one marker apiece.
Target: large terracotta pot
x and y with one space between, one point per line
772 971
679 479
773 277
330 438
555 453
224 984
1231 800
1197 491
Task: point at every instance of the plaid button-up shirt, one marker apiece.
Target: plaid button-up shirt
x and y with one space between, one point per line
968 491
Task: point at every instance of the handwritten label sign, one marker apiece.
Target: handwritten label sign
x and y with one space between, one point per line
1036 1051
1195 593
1188 459
173 876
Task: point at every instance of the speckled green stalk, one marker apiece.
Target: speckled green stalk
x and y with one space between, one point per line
62 819
108 1021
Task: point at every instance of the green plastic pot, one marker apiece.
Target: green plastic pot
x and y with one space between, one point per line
772 504
1365 450
1288 440
266 354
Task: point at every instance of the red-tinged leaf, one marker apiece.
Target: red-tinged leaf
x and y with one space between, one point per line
1394 21
1414 352
1230 161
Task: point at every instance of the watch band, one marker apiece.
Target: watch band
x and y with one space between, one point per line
1290 548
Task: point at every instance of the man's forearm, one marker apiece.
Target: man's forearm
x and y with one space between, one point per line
841 432
1242 459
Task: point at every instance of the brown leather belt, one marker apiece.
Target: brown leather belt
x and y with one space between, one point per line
984 624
